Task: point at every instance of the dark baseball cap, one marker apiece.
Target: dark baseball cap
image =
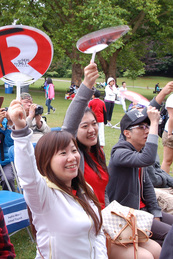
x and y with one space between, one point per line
133 117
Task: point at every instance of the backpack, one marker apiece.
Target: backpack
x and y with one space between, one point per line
163 120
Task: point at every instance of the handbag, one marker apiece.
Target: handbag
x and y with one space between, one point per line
123 225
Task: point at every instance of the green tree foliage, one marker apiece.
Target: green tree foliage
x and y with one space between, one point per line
66 21
133 74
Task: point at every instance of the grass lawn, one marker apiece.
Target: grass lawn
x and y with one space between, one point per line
24 248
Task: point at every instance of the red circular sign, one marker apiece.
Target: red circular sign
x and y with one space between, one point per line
25 50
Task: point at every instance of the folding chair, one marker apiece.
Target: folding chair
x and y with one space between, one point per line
11 157
5 178
116 126
13 194
15 212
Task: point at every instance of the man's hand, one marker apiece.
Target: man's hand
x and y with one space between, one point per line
38 121
2 114
32 110
154 116
164 92
17 114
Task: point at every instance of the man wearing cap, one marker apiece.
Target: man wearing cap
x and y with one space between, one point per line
129 183
35 122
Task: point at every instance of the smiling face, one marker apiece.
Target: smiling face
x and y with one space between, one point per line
88 130
65 163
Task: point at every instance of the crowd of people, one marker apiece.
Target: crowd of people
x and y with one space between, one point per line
65 178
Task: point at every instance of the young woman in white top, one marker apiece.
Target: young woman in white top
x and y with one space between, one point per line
110 93
65 211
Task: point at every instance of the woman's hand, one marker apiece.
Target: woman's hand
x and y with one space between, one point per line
17 114
91 74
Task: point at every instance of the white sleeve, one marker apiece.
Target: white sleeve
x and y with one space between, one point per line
36 192
169 101
100 246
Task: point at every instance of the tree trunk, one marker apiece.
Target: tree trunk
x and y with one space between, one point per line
77 69
77 73
110 68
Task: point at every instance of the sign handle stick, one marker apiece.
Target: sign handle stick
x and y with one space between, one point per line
93 56
18 84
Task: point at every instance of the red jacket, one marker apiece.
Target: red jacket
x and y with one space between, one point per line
98 107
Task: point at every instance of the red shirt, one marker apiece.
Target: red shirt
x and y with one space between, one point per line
98 184
97 106
142 204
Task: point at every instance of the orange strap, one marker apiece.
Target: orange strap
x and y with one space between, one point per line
131 219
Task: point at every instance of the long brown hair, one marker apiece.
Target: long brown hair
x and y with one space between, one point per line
96 150
49 145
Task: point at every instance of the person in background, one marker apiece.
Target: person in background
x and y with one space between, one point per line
76 89
50 95
122 99
157 88
117 97
72 88
6 247
45 84
99 108
5 143
34 121
110 93
167 137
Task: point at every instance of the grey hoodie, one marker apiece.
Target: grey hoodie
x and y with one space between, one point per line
124 185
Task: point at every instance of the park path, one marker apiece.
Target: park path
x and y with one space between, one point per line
143 87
